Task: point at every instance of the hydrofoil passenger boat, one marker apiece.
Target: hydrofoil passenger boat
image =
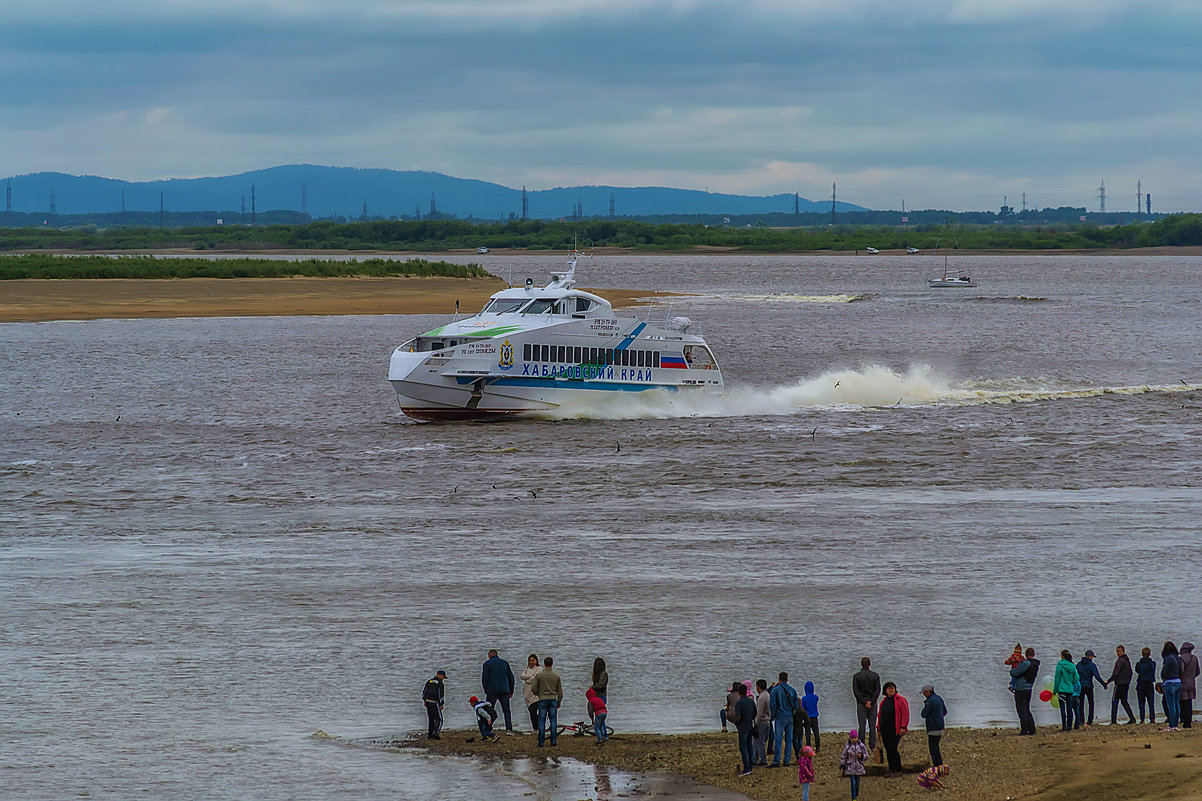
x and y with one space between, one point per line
535 348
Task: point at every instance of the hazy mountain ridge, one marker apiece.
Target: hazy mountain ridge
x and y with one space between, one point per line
343 190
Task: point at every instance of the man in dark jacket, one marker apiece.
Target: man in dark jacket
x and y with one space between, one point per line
1088 672
1024 674
866 687
745 724
496 679
934 711
433 696
1120 677
1145 681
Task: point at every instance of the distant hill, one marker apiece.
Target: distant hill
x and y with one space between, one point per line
342 191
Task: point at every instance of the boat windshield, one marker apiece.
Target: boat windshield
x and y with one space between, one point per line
503 305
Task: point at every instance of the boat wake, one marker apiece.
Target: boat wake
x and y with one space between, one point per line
872 387
787 297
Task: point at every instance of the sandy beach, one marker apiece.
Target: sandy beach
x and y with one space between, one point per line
1099 762
67 299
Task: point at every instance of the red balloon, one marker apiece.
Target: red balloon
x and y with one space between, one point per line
1045 696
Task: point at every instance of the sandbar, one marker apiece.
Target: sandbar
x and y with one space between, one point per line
93 299
1135 763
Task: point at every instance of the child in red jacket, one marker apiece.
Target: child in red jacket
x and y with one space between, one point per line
598 712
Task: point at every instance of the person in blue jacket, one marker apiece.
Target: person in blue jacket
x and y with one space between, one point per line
934 712
1088 671
809 702
782 703
496 679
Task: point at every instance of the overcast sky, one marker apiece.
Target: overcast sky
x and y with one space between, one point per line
940 103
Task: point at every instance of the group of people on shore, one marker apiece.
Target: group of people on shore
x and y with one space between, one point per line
1071 687
542 692
774 720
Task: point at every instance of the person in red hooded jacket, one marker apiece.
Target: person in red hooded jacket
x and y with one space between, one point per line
892 722
598 712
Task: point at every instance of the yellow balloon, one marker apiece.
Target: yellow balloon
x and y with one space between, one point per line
1055 701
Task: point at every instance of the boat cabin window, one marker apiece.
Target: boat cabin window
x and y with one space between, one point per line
583 304
544 306
503 305
699 357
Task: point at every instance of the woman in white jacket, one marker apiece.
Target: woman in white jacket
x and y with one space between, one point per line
533 668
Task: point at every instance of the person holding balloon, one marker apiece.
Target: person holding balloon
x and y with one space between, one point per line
1023 675
1065 683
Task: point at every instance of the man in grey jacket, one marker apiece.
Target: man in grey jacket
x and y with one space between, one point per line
763 724
866 687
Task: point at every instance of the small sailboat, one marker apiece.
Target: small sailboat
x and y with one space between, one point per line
950 276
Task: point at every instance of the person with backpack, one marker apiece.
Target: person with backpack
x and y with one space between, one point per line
1024 674
782 703
433 697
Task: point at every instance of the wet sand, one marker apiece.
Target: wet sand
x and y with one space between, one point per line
70 299
1136 763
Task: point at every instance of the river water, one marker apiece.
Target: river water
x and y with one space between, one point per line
220 536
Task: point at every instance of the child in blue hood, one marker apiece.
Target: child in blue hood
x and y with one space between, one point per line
809 703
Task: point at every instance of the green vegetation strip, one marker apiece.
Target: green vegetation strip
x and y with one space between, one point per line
432 236
39 265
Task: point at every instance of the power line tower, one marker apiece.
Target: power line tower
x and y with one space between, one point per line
833 196
417 212
797 208
162 212
244 206
304 201
1024 201
1139 196
525 206
254 217
433 207
611 205
53 207
363 216
1102 198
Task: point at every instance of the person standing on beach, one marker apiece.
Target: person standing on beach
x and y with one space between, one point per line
893 721
1170 678
533 668
1120 677
433 697
1145 685
782 703
866 687
1088 671
851 761
934 712
496 679
600 683
809 703
1189 685
805 771
744 720
1024 674
549 689
727 713
1065 681
763 724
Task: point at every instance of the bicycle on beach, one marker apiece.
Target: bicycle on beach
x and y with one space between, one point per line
582 728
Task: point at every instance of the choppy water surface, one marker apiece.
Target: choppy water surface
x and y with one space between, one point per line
220 536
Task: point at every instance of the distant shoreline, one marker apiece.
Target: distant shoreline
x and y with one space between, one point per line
46 300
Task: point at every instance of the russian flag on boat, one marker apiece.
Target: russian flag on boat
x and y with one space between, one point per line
668 360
